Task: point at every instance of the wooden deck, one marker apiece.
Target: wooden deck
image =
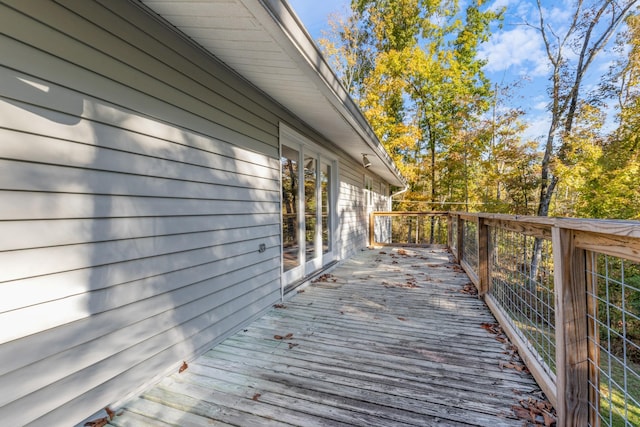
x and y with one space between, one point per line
388 338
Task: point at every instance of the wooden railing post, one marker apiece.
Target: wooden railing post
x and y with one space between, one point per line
483 256
449 230
372 236
572 367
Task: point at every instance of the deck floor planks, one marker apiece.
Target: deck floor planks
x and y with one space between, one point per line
388 338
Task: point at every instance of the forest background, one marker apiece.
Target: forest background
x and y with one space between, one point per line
418 70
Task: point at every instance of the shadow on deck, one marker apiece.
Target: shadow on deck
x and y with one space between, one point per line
391 337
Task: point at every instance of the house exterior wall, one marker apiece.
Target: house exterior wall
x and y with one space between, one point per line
138 178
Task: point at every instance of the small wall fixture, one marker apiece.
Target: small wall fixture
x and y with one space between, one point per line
365 162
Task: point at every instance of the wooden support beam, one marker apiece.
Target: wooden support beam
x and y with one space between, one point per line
571 330
483 257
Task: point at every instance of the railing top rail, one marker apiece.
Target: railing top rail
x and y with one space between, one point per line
623 228
401 213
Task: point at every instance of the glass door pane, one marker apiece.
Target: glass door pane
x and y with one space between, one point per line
310 206
290 203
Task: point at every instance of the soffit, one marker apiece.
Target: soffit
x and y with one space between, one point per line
265 43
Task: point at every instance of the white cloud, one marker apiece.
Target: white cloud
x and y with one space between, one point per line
519 50
499 4
537 129
541 106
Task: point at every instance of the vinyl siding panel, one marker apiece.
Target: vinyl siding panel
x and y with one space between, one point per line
352 207
353 224
138 178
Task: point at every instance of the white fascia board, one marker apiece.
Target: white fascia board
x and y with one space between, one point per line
306 50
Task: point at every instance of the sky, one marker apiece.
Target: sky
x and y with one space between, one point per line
514 54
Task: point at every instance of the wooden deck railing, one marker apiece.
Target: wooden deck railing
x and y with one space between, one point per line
408 228
566 291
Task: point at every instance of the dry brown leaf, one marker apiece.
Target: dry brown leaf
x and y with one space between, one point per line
183 367
324 278
278 337
291 345
493 328
288 336
402 318
301 291
100 422
549 420
110 413
279 306
536 412
506 365
256 396
520 412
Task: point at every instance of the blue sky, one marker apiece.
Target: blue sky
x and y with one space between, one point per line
514 54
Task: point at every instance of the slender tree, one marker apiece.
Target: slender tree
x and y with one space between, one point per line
571 51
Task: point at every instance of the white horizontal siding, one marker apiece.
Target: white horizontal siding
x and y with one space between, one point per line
138 179
352 228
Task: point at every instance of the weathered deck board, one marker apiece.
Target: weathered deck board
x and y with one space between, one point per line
387 339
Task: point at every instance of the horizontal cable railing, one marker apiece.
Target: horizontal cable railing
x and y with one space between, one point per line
566 292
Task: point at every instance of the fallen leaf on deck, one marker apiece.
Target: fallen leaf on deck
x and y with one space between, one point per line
100 422
402 318
540 413
256 396
382 253
324 278
492 328
183 367
408 285
469 289
301 291
520 412
291 345
110 413
549 419
286 337
279 306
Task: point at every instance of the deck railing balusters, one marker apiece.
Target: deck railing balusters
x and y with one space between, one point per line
567 302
